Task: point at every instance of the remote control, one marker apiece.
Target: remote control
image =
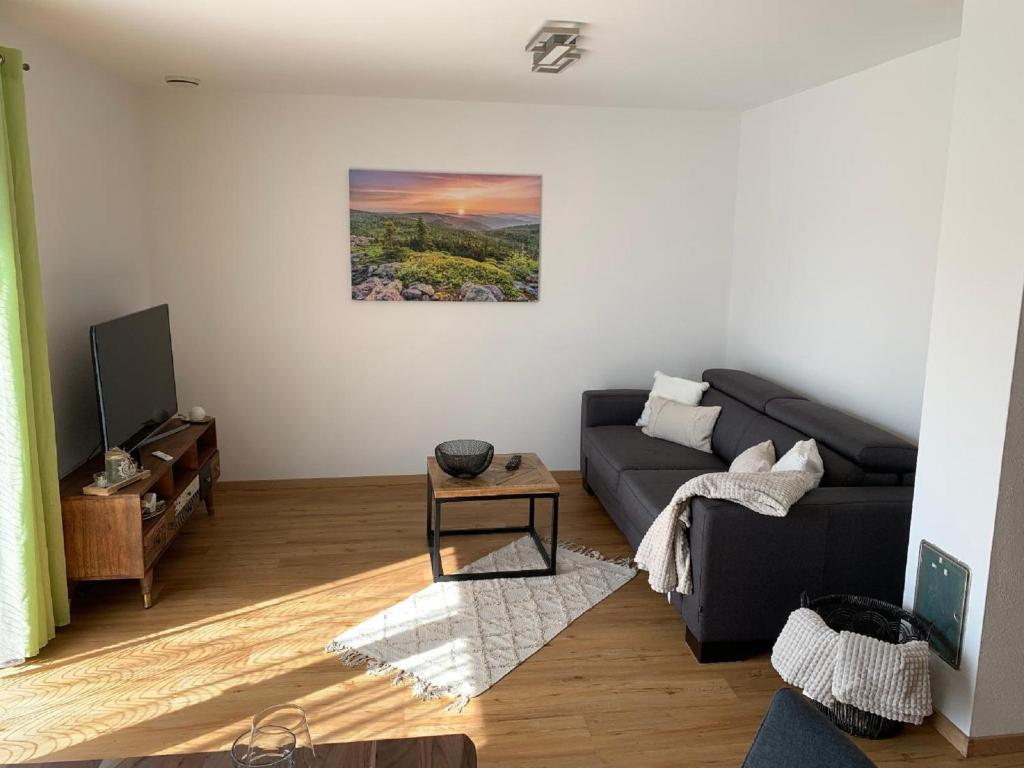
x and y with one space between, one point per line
513 463
163 456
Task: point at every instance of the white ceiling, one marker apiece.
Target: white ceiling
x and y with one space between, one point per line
696 54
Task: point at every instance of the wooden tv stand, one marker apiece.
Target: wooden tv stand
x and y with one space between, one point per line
105 536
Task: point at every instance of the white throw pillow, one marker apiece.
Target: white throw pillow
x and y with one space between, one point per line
802 457
689 425
757 458
675 389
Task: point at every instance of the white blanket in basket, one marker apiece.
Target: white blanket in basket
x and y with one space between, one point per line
879 677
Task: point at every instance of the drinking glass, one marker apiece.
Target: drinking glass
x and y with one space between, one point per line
271 746
292 718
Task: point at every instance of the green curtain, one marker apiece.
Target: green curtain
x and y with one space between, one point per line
33 589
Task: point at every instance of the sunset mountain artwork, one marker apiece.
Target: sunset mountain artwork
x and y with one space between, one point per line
418 236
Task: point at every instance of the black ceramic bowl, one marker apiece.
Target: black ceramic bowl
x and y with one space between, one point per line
464 458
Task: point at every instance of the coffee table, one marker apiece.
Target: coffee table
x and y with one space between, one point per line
531 481
452 751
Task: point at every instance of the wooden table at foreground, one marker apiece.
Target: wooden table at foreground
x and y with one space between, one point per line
455 751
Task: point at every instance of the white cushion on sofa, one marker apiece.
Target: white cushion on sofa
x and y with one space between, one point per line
802 457
689 425
675 389
757 458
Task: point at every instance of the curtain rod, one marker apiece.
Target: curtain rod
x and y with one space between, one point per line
24 65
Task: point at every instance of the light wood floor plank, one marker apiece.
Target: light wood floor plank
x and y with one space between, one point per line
246 600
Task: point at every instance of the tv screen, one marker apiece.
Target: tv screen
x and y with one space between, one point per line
134 368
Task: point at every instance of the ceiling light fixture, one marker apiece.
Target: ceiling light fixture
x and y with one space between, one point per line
554 46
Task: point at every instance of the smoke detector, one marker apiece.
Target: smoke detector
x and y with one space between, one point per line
180 81
554 46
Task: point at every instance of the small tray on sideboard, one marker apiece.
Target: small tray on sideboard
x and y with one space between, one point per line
106 490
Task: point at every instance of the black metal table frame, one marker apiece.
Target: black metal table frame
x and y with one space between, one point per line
434 533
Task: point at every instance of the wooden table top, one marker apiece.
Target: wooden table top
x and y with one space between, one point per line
532 477
451 751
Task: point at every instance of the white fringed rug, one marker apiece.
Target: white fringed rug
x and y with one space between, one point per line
458 638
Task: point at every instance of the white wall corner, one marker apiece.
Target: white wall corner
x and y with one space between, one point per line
962 491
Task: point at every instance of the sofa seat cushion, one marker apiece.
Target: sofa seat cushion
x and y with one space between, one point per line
626 447
644 493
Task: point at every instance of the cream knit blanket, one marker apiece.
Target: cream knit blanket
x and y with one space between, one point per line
665 550
879 677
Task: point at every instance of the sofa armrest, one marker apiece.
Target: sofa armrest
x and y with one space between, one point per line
608 407
868 536
749 569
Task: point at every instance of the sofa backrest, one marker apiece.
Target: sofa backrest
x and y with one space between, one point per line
755 409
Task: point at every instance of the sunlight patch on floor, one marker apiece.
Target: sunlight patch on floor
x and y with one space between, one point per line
173 670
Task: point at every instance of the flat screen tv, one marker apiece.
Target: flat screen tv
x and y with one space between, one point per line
134 369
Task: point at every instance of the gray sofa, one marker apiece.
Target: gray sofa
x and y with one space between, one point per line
847 536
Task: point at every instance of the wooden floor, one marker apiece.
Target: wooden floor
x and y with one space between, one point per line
246 600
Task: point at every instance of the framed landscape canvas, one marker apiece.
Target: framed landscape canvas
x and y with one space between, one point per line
444 236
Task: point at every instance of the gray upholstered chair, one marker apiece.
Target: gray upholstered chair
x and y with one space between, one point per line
794 734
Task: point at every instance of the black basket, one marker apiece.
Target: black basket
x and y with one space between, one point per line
464 458
877 619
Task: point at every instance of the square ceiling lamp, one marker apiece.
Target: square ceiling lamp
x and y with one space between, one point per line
554 47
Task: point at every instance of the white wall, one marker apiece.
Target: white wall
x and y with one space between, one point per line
839 197
999 706
971 358
251 232
85 139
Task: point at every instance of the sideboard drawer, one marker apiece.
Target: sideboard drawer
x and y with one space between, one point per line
157 537
208 474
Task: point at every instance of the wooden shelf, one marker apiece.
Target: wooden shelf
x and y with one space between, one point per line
105 536
205 452
197 436
181 481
